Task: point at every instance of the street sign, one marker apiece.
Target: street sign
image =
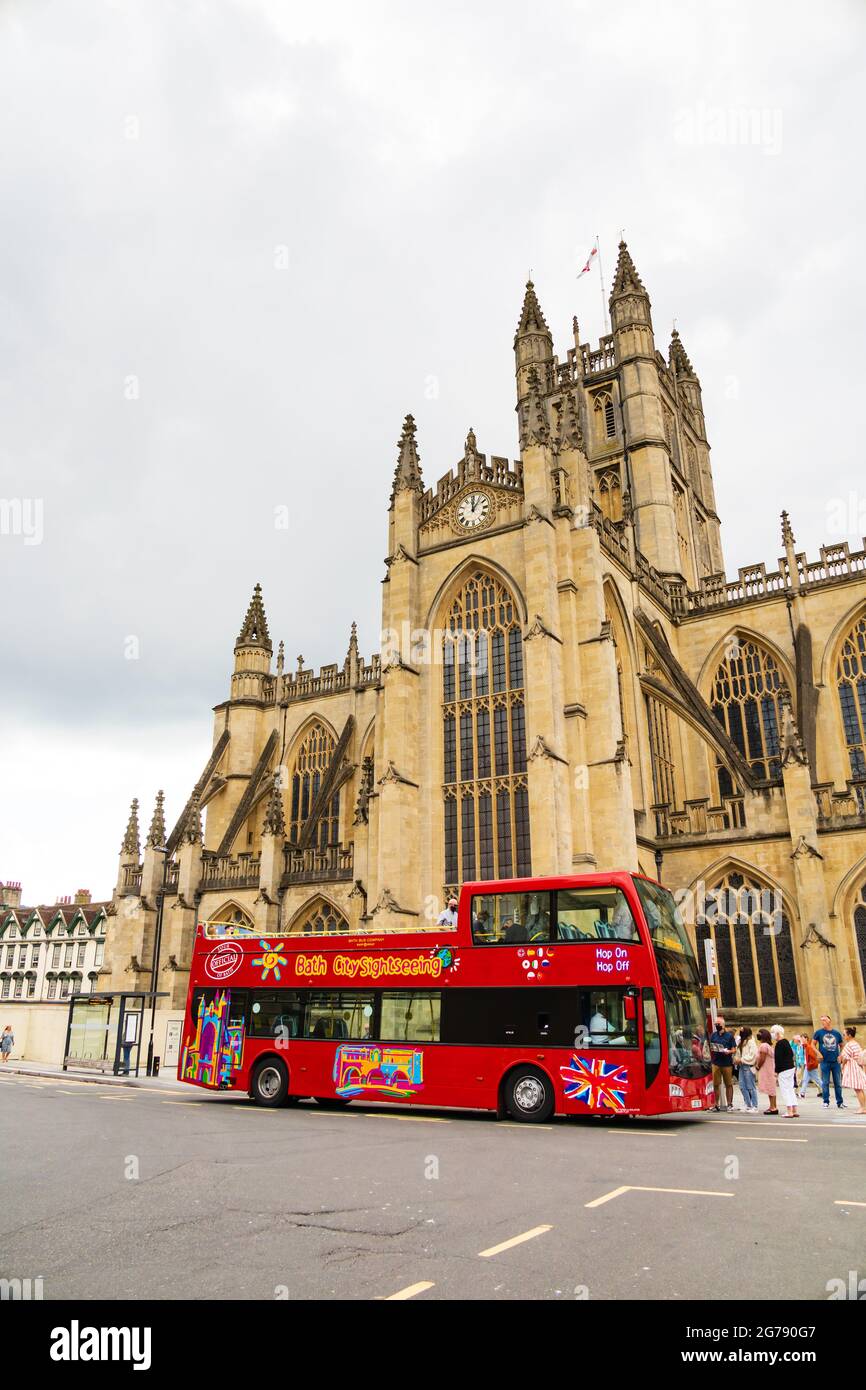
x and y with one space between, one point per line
711 991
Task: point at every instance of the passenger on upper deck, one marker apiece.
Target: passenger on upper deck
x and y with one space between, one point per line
448 918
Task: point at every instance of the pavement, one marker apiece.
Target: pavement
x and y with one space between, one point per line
45 1069
157 1190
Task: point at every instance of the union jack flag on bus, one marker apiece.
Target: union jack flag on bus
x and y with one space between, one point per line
599 1084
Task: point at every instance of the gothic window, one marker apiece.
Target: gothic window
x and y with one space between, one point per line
312 760
860 932
668 422
754 951
661 752
703 547
230 915
682 527
610 494
606 415
694 473
319 919
744 696
851 684
484 735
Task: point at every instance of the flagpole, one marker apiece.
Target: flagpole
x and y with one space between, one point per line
604 319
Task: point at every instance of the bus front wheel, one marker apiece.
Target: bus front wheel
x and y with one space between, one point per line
529 1095
270 1082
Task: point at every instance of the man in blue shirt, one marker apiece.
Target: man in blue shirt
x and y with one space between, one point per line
828 1041
722 1045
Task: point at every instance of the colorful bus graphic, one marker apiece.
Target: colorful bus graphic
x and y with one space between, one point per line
374 1070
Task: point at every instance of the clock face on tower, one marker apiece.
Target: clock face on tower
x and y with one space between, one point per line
473 511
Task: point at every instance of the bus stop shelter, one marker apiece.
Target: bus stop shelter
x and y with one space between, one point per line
104 1031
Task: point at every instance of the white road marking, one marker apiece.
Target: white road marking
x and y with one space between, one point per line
770 1139
849 1204
515 1240
410 1291
684 1191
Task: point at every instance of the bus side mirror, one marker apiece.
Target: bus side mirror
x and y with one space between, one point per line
630 1006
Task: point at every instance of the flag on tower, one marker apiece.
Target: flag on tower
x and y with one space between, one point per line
589 260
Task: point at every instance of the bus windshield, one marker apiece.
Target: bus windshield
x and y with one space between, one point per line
667 928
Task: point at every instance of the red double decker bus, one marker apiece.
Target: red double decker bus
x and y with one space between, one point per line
569 996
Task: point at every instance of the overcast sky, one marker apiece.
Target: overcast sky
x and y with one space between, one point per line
239 241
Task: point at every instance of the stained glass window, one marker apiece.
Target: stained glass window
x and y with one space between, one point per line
851 683
312 760
745 698
749 927
484 735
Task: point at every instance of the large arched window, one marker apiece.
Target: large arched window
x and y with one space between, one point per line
319 918
233 919
851 684
312 759
484 735
664 768
752 937
745 698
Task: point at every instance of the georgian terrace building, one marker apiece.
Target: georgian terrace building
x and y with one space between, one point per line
48 953
568 681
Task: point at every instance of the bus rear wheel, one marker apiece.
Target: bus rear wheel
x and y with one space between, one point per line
270 1082
528 1095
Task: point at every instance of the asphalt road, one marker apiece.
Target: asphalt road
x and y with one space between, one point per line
124 1193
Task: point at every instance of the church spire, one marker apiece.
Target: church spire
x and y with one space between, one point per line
156 833
532 319
352 653
679 358
132 840
625 278
407 474
254 631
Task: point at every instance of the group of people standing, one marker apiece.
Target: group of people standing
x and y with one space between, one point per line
766 1063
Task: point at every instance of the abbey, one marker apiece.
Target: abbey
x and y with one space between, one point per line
567 682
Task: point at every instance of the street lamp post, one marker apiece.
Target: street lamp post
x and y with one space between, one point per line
659 858
154 967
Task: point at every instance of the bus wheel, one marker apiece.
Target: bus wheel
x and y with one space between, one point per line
528 1095
332 1102
270 1082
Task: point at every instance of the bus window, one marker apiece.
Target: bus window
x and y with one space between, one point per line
275 1013
606 1018
348 1014
652 1043
507 919
593 914
410 1016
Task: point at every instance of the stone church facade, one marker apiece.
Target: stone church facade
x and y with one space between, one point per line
567 682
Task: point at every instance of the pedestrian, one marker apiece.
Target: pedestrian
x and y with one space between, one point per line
797 1043
853 1075
765 1068
829 1042
722 1048
747 1055
786 1072
7 1041
811 1067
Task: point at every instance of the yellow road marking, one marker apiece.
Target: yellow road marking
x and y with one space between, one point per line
849 1204
515 1240
407 1119
684 1191
410 1291
527 1129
